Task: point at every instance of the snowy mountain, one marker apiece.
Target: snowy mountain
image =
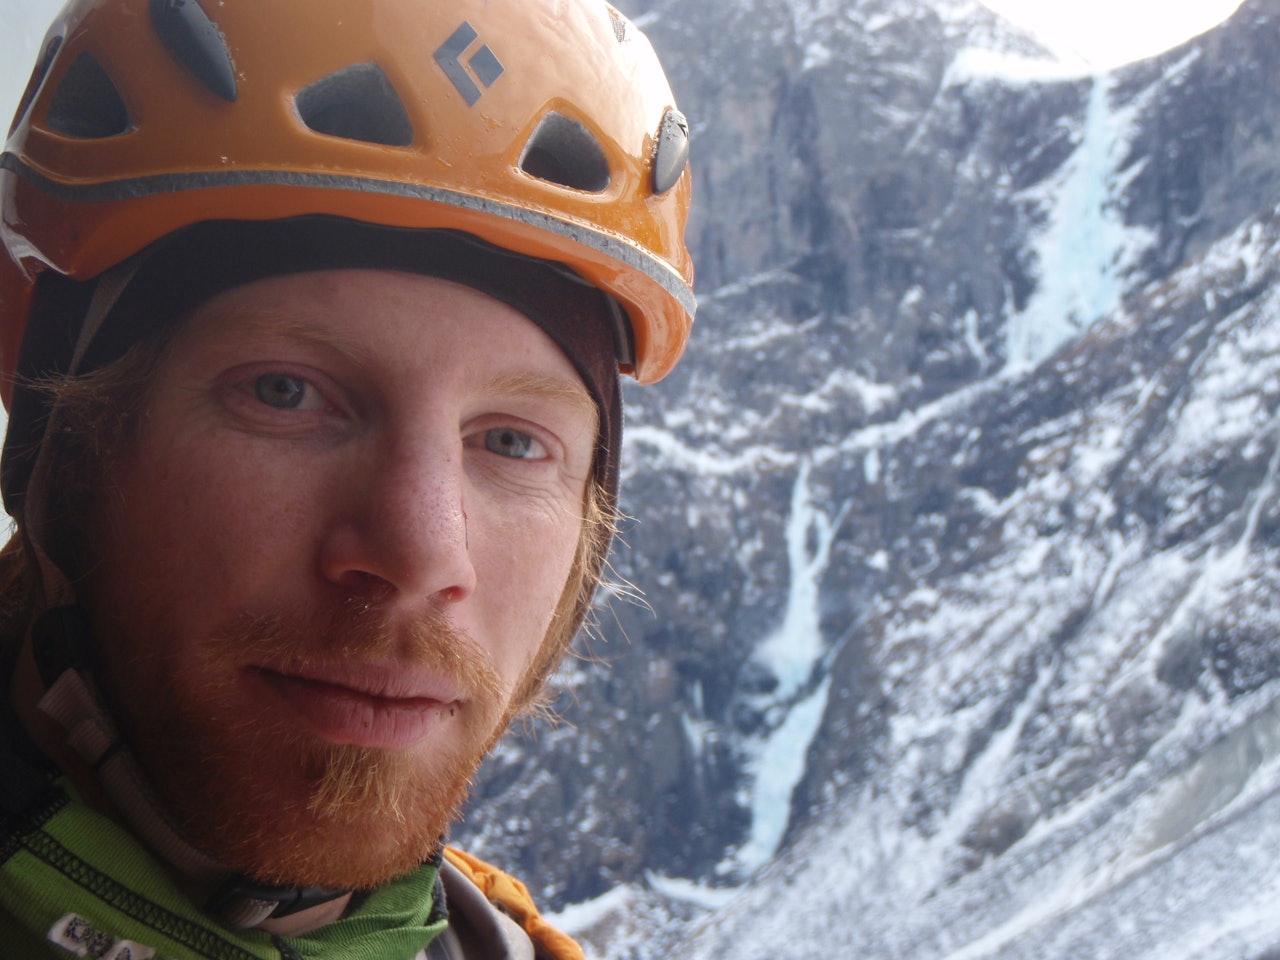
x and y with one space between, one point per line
1064 716
957 529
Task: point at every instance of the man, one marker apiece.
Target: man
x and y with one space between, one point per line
311 322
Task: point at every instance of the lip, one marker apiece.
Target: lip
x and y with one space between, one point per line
387 707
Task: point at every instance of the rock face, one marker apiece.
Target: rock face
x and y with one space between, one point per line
958 526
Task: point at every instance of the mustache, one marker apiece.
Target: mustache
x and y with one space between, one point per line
361 633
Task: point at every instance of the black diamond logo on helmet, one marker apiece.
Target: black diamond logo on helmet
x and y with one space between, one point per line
481 69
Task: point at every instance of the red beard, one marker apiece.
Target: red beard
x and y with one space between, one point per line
265 796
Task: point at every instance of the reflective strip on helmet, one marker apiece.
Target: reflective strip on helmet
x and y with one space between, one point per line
157 184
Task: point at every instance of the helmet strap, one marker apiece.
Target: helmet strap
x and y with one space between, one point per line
57 591
108 290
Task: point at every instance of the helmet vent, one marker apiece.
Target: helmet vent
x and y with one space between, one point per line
564 152
87 104
356 103
197 44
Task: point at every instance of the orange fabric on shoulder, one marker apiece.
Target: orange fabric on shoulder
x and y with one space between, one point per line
513 896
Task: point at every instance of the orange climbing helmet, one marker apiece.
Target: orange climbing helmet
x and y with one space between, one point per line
544 127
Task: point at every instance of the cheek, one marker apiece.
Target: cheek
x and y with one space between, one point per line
169 515
200 524
522 568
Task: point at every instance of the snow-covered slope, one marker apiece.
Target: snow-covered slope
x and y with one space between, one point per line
1080 733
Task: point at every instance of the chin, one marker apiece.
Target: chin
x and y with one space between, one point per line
359 818
288 808
350 857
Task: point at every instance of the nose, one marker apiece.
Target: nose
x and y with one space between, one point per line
402 526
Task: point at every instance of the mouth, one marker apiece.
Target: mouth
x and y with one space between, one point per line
387 708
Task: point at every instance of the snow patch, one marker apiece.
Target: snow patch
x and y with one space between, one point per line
687 891
578 917
974 64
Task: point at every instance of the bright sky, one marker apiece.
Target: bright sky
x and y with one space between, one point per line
1108 33
1104 32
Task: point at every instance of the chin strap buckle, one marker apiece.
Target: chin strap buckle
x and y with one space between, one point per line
243 903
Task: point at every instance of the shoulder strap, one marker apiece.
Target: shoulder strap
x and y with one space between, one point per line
447 946
26 775
512 900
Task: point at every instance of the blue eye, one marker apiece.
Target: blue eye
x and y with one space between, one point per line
507 442
282 391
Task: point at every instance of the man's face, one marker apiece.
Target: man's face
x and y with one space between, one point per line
327 556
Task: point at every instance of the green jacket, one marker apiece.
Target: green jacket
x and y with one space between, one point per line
73 883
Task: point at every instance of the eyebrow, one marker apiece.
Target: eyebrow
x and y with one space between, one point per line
281 325
547 388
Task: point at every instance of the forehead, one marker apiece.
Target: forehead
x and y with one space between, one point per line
366 314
